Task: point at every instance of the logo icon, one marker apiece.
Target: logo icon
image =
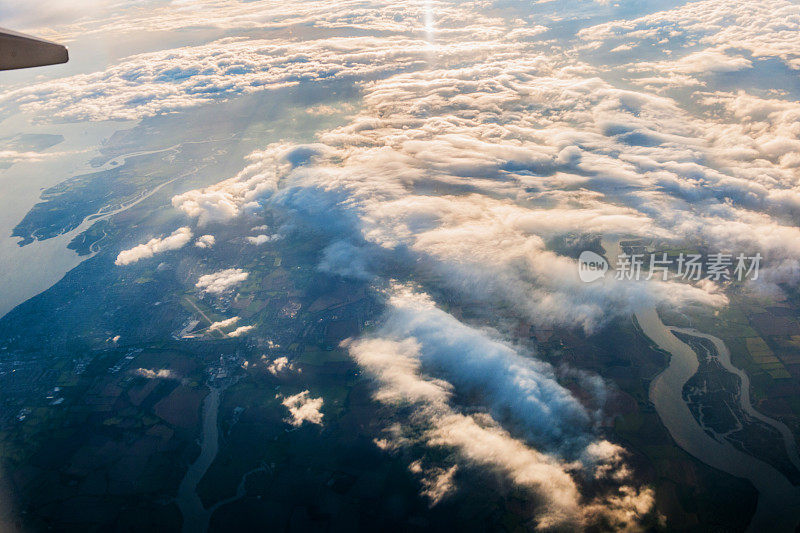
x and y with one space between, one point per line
591 266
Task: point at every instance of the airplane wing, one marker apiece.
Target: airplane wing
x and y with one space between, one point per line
18 50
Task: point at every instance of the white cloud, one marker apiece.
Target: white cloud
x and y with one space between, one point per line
280 365
303 408
230 198
206 241
414 345
511 383
221 281
163 373
258 240
764 28
177 239
223 323
701 62
241 330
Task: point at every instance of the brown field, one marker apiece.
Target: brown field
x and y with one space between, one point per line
181 408
769 325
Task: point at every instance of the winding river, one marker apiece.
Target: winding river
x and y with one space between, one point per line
23 184
195 516
724 359
778 506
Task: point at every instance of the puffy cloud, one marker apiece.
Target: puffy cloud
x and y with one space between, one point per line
303 408
279 365
767 129
221 281
764 28
241 330
227 200
223 323
206 241
177 239
512 383
700 62
163 373
258 240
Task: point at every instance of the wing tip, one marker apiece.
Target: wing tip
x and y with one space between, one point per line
18 51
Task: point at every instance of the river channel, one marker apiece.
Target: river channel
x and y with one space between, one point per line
778 500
